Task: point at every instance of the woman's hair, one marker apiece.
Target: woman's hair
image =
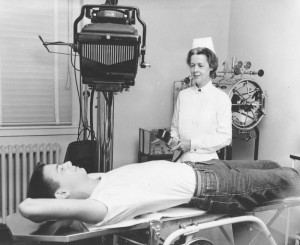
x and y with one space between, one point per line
39 186
211 58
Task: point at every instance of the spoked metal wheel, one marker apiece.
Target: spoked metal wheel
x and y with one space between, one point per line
248 102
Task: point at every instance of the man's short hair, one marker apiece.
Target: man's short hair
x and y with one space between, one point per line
210 55
39 186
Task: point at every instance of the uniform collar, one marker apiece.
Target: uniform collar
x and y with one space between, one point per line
204 89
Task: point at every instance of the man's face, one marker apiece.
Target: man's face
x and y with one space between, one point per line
66 175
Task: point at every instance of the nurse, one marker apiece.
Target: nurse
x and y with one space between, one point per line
202 120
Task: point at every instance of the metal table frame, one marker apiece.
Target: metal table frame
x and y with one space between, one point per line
24 230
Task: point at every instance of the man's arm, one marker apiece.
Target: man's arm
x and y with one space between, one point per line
85 210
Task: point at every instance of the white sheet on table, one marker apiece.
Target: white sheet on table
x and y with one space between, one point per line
167 213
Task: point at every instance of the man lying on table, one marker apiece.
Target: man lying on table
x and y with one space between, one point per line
67 192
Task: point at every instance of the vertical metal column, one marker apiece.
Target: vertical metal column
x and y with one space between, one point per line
105 127
256 143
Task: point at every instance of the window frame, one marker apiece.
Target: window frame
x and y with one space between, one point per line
72 5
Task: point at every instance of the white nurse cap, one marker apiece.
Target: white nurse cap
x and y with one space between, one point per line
204 42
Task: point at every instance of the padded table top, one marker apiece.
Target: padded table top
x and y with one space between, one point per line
23 229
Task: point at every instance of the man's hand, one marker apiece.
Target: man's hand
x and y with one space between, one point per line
184 145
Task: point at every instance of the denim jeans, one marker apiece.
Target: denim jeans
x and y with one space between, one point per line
235 187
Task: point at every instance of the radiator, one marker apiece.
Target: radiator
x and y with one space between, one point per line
16 166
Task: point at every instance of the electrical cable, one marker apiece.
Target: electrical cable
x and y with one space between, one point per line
59 43
73 64
78 88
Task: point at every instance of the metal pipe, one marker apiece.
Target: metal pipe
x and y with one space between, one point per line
105 127
195 228
98 133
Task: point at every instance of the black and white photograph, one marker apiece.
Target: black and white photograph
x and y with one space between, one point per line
149 122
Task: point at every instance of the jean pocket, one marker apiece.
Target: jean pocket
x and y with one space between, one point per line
210 183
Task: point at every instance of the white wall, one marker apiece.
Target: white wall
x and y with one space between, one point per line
261 31
171 27
267 33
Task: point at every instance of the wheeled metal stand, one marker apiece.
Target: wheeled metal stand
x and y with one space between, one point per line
105 123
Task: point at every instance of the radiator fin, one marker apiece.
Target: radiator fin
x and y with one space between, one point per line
16 166
108 54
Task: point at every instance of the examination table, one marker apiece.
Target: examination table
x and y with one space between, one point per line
184 222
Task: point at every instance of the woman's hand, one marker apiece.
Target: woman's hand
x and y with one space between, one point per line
183 145
173 142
